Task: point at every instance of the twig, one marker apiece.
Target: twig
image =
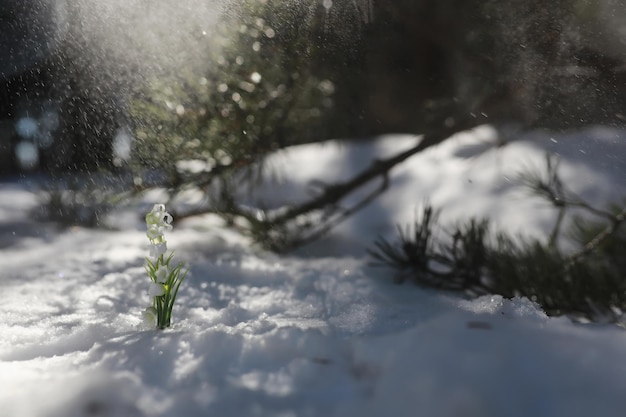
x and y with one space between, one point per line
593 244
335 193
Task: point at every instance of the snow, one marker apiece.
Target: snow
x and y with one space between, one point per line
317 332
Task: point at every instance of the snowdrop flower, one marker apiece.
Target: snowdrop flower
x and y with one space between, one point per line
158 221
154 232
149 316
156 215
156 289
164 279
162 273
158 249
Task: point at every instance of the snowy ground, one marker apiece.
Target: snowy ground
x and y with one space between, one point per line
318 333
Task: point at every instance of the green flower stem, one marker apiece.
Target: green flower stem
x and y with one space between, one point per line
165 280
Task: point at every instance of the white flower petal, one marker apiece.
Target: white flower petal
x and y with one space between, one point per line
149 316
161 274
154 232
156 289
158 249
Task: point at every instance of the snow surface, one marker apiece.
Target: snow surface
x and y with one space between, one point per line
317 333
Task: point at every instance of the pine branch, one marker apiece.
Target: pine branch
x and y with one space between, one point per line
591 246
292 226
381 168
587 284
457 266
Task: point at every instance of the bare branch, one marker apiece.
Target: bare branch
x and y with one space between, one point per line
335 193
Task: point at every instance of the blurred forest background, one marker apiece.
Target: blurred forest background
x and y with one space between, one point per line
267 74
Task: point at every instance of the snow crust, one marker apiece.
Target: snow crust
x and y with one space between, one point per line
318 333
